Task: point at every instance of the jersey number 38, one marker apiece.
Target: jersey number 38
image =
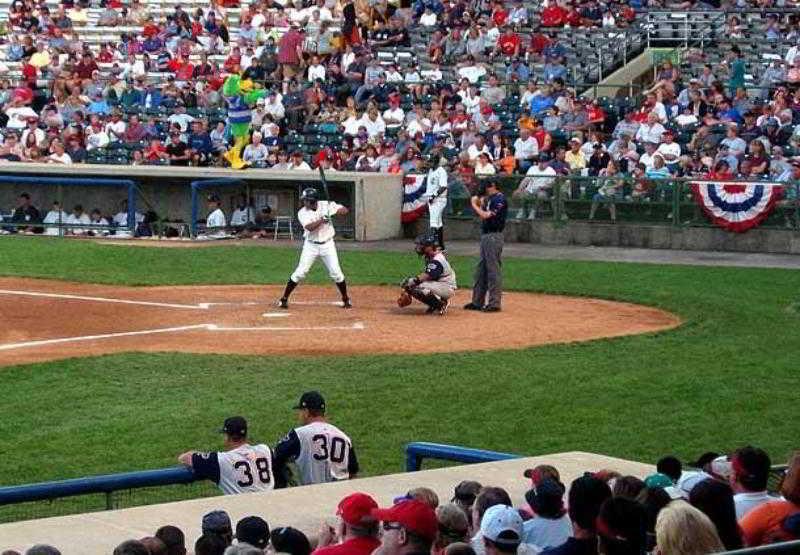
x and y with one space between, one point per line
335 452
246 468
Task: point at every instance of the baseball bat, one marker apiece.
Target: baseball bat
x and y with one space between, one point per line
324 184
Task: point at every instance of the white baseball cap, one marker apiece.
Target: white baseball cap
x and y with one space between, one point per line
502 524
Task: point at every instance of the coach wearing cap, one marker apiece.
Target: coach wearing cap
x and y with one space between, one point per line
490 206
320 451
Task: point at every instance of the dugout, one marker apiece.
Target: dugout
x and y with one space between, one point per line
374 200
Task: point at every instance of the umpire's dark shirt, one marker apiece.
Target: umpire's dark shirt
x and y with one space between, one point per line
498 206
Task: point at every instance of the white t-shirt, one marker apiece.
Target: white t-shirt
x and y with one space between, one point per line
325 232
672 149
216 219
243 216
84 219
54 217
650 134
746 502
301 166
546 532
63 159
473 151
540 178
525 150
394 114
316 72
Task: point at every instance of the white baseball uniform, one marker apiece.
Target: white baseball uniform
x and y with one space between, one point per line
321 451
436 179
248 468
318 242
443 278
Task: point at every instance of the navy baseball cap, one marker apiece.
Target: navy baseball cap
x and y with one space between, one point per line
312 400
253 530
235 426
216 522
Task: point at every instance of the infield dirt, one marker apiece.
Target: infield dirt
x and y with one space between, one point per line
49 320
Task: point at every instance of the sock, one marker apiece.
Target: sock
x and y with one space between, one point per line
342 286
440 233
290 285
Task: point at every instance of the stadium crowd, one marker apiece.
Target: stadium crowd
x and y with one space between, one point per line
720 503
491 93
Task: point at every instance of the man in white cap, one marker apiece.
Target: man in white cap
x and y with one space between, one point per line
501 528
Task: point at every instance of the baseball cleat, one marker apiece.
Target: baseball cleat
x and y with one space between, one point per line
431 310
488 308
346 303
283 303
443 308
471 306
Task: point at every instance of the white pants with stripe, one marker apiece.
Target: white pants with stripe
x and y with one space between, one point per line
435 210
311 251
441 290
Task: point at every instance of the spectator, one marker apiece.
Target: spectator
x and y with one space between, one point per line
173 539
750 472
210 544
42 549
715 499
253 531
683 530
464 496
218 523
550 525
357 532
154 545
131 547
409 527
453 527
621 527
488 497
586 496
290 540
177 151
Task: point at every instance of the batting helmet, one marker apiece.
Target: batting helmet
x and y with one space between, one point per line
310 194
425 240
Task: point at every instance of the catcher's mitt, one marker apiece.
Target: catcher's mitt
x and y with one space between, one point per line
404 299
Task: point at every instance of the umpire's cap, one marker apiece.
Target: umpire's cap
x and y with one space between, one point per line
309 194
234 426
311 400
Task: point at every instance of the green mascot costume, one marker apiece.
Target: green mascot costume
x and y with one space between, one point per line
240 96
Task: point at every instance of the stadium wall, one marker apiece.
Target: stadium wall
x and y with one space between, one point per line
375 199
636 235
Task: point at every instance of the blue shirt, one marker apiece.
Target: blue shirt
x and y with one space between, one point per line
497 205
200 142
522 71
540 104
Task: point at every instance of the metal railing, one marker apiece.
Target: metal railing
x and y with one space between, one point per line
563 199
416 452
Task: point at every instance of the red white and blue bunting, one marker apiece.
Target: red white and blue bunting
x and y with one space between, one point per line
414 204
736 206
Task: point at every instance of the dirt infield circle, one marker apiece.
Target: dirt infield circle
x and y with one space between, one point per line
48 320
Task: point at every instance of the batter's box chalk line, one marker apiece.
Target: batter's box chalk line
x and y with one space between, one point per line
356 326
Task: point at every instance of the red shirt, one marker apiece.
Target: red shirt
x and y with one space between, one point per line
553 16
85 71
150 30
185 72
595 113
105 56
541 135
574 17
500 17
287 47
353 546
539 42
152 153
508 43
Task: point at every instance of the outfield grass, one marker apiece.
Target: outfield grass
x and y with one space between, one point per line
727 377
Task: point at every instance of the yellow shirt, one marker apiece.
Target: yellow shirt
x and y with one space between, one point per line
40 59
576 161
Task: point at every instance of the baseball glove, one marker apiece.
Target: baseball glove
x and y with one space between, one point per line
404 299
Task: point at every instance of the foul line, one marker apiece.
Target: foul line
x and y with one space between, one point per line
203 306
38 343
207 327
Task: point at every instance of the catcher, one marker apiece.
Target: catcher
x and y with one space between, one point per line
436 284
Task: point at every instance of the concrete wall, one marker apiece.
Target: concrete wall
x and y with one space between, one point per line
637 235
375 199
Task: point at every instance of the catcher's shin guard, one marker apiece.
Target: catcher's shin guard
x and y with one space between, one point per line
426 298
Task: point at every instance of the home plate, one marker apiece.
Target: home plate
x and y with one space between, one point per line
275 314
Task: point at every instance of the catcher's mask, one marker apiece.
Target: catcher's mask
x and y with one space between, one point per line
423 241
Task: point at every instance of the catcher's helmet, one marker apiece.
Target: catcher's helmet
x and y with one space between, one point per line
310 194
425 240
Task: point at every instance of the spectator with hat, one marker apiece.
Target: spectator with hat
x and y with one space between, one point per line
550 525
408 528
357 530
289 540
320 451
218 523
501 530
242 467
254 531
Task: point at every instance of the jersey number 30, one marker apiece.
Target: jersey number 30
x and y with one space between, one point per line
335 453
262 469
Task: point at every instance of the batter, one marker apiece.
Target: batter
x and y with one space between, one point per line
315 217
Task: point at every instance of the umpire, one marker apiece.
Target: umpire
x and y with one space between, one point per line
491 207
